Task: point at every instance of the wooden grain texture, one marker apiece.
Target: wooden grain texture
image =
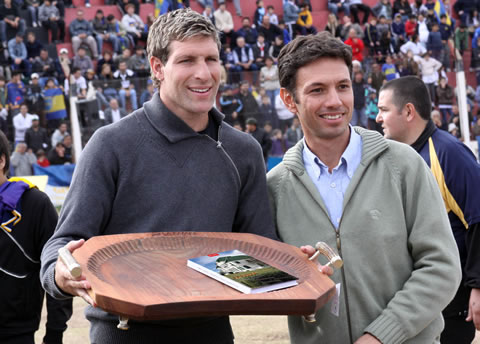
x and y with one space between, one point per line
145 276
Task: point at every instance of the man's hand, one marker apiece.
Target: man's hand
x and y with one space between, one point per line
474 308
310 251
367 338
66 282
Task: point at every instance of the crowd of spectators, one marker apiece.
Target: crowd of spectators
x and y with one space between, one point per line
109 70
394 38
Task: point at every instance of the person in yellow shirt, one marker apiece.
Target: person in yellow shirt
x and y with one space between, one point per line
305 20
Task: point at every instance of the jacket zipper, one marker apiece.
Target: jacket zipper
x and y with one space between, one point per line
339 248
219 146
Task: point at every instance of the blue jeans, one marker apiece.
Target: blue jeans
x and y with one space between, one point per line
333 8
133 98
359 118
3 29
272 94
112 39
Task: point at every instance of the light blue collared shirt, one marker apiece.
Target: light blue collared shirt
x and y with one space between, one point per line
332 186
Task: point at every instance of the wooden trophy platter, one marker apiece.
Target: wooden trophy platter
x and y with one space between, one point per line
145 276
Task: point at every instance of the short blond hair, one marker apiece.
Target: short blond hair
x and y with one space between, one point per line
178 25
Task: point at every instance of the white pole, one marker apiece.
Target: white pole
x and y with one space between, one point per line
462 100
76 133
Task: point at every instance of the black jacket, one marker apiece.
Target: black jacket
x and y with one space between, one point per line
22 294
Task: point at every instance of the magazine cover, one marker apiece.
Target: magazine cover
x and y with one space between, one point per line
242 272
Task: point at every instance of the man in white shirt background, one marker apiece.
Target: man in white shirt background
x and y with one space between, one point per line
21 123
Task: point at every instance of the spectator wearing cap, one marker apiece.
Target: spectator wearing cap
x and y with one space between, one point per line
22 122
10 17
100 30
34 96
49 16
56 155
230 105
64 62
134 25
22 160
82 32
18 53
82 61
260 135
36 137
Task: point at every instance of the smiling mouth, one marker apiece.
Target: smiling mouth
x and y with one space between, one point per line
332 117
200 90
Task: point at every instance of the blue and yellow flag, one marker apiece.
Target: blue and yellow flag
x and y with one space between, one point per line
439 9
55 104
161 7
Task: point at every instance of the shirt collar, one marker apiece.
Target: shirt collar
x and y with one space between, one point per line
351 157
170 125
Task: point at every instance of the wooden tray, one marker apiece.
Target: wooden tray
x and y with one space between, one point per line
145 276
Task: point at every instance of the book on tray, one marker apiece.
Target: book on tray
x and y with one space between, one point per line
242 272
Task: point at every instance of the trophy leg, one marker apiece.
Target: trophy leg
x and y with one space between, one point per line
122 323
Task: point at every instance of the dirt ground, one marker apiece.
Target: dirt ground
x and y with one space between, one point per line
247 329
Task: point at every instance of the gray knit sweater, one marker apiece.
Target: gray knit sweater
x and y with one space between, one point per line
150 172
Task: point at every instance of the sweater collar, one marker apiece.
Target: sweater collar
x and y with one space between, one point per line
170 125
373 145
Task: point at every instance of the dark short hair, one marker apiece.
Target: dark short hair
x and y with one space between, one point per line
306 49
110 17
410 89
5 151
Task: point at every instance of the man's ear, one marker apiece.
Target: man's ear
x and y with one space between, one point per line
2 162
157 67
288 100
411 112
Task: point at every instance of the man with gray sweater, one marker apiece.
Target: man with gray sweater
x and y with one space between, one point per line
373 199
172 165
